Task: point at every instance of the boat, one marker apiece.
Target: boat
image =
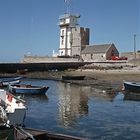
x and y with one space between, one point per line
11 80
12 109
131 86
77 77
27 89
21 133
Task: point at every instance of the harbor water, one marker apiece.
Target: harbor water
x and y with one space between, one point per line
82 111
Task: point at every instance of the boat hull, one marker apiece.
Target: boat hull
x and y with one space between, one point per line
17 118
132 86
40 135
27 90
10 82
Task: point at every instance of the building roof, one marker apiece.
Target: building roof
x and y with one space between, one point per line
97 48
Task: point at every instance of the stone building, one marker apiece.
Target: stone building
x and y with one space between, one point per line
99 52
80 38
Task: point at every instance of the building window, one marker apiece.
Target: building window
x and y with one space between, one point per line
61 52
91 56
62 32
62 41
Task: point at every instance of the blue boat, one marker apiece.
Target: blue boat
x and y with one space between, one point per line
27 89
131 86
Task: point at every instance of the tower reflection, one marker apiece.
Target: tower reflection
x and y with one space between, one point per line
73 103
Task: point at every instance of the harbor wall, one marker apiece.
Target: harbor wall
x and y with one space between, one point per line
48 66
13 67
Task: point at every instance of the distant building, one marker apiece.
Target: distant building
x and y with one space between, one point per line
72 37
99 52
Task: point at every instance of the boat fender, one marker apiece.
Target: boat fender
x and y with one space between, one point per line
9 97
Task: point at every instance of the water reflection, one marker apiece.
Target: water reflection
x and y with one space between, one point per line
103 94
73 103
132 96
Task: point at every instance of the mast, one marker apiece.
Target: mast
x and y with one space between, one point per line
134 46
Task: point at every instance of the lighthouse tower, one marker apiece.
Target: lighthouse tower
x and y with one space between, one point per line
67 23
73 38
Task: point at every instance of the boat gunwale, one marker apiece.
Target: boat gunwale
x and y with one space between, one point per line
36 133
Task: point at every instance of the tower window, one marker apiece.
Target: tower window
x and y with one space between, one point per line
62 32
62 41
91 56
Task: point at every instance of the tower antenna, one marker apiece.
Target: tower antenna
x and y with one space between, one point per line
67 3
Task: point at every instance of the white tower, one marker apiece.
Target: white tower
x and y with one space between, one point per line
67 22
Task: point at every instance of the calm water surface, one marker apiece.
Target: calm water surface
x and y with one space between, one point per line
83 111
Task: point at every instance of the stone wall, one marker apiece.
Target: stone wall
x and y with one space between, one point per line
94 57
45 59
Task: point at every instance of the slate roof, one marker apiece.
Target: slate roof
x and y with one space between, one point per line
96 49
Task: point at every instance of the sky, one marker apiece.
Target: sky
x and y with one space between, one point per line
31 26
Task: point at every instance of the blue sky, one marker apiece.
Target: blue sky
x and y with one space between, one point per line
31 26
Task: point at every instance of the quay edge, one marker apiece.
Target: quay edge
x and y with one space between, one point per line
13 67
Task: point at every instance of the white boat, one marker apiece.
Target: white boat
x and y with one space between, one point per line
12 109
6 81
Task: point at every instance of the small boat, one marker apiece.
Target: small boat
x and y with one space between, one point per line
131 86
11 80
12 109
21 133
67 77
27 89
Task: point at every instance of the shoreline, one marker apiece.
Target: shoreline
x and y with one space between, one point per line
110 80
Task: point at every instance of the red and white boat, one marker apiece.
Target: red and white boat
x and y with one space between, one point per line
12 109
